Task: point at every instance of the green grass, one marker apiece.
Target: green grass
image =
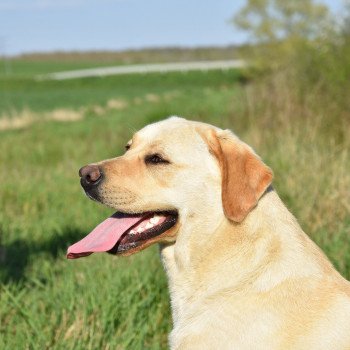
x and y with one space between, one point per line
19 93
28 65
105 302
16 68
100 302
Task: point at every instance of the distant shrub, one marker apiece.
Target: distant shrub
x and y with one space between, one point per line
301 46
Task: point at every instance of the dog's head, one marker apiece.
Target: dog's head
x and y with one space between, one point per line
174 173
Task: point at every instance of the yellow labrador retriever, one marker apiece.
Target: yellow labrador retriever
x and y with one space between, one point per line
242 273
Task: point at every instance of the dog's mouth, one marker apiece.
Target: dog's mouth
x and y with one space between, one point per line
123 232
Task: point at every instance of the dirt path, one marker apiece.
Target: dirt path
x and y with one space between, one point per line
144 68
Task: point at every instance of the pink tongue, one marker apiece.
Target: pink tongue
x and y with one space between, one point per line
104 237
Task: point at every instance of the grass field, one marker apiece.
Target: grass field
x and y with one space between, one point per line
51 129
40 63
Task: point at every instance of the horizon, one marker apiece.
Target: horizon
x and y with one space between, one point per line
125 50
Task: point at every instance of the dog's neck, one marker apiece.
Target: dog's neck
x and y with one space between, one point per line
195 261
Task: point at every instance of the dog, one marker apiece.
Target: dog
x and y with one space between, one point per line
242 273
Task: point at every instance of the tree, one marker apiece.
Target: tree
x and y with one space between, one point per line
281 30
346 25
275 20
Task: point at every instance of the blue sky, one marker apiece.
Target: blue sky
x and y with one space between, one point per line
46 25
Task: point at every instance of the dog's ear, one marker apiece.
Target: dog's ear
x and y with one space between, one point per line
244 176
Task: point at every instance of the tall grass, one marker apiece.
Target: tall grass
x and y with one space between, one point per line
104 302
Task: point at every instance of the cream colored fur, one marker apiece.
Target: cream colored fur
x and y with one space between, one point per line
256 283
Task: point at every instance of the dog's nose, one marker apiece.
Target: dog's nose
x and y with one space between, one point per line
90 175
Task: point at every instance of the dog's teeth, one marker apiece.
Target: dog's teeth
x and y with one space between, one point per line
139 230
155 219
149 225
132 232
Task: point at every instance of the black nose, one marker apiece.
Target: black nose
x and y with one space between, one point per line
90 175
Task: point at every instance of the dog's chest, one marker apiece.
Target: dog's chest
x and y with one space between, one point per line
220 327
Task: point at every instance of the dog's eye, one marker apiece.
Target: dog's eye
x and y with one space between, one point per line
127 146
155 159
